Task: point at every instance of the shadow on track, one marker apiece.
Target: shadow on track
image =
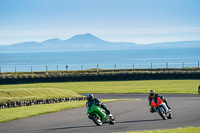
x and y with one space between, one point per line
62 128
76 127
139 121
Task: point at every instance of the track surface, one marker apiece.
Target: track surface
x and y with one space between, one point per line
130 115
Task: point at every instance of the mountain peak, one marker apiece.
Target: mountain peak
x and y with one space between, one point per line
55 40
87 34
85 39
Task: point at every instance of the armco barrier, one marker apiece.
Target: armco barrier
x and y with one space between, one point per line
10 104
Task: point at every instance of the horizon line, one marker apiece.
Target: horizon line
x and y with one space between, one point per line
94 36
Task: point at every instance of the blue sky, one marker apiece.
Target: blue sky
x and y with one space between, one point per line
139 21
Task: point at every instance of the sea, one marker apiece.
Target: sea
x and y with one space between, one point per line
111 59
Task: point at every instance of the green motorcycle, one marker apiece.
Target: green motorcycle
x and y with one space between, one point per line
99 116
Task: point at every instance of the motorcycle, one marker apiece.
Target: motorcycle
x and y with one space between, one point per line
99 116
160 107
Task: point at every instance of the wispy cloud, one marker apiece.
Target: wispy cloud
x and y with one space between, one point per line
100 32
152 31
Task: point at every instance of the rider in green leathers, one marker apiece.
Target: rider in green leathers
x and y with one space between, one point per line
91 100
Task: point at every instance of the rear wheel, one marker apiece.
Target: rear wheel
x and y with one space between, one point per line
112 120
162 114
97 120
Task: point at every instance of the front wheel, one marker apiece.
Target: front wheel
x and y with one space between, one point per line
97 120
162 114
112 120
170 115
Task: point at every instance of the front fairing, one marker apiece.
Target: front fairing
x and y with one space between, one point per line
97 111
156 102
163 107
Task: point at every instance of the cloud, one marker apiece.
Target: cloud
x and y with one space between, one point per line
101 32
152 31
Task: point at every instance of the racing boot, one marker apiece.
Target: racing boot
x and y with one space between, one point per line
106 109
165 101
168 107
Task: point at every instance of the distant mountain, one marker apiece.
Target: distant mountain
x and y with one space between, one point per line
22 47
85 39
52 41
27 45
87 42
183 44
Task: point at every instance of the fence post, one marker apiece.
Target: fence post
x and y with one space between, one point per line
182 64
46 68
115 66
166 64
81 67
31 69
97 67
15 69
66 67
198 64
133 66
151 66
57 67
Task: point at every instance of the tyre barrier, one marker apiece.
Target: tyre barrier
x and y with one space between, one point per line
10 104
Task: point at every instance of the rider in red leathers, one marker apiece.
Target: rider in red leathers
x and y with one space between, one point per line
153 95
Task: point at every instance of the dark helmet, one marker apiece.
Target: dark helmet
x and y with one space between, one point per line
152 93
90 97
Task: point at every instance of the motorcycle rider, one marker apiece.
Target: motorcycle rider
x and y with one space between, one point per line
91 100
153 95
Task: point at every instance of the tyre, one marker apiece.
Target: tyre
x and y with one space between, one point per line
97 120
162 114
170 115
112 120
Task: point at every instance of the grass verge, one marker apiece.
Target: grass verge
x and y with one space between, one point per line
10 114
142 86
21 94
177 130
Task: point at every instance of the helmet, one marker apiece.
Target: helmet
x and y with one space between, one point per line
90 97
152 93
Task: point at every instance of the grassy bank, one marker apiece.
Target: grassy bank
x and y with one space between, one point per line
142 86
28 111
178 130
21 94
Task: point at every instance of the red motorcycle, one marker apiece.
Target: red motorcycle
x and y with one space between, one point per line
160 107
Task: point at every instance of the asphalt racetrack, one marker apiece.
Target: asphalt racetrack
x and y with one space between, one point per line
130 116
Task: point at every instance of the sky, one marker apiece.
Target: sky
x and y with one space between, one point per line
138 21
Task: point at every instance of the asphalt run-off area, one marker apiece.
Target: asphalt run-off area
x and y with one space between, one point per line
131 115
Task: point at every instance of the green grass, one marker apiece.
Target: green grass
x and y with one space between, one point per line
142 86
20 94
178 130
28 111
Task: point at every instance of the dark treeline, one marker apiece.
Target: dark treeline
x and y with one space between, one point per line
99 75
